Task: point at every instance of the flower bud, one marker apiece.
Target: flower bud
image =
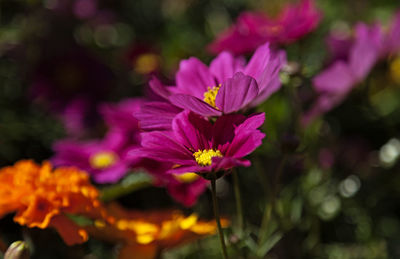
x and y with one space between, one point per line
17 250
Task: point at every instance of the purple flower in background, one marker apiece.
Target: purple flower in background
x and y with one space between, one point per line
227 86
253 29
121 116
197 145
350 68
353 59
106 159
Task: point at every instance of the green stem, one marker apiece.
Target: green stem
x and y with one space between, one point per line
270 206
265 220
239 209
217 219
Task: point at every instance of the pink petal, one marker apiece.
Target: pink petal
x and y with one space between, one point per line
194 104
236 93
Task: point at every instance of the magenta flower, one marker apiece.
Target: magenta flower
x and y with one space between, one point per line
197 145
107 159
227 86
253 29
121 116
353 59
351 67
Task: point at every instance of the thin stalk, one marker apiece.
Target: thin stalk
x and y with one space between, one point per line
217 219
265 220
239 208
270 206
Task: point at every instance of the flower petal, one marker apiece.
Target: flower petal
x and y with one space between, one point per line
247 137
161 146
159 88
226 163
194 104
236 93
224 129
111 175
335 79
269 81
157 115
192 131
224 66
193 78
258 61
365 51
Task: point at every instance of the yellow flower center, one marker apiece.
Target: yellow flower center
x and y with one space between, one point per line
146 63
186 177
102 160
204 157
395 70
211 94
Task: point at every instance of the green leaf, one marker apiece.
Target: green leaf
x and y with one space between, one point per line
133 182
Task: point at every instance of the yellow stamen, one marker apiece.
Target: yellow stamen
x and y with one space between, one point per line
102 160
204 157
395 70
186 177
211 94
146 63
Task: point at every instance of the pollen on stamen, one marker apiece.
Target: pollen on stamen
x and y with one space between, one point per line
102 160
211 94
204 157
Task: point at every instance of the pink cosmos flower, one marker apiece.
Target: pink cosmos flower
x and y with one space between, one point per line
351 67
121 116
353 59
106 159
197 145
253 29
227 86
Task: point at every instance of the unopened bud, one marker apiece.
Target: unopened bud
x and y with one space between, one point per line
17 250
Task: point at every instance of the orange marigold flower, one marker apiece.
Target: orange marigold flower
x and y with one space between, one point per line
146 234
43 197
